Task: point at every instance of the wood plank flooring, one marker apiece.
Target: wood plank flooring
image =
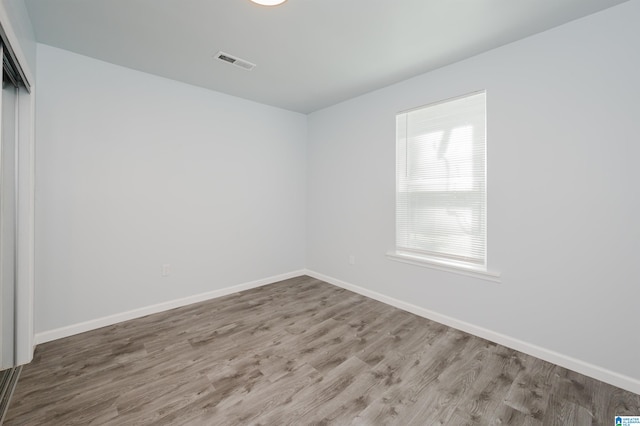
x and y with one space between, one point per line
300 352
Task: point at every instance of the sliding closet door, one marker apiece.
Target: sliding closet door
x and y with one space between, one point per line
8 224
16 222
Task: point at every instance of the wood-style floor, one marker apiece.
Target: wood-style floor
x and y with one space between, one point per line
300 352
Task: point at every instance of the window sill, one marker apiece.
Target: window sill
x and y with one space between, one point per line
440 265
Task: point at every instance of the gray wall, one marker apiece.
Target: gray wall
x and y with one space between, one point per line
563 149
135 171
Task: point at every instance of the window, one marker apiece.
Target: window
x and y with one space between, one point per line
441 183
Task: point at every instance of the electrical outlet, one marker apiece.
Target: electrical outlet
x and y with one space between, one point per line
352 259
166 270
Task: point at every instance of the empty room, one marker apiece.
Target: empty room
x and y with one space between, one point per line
327 212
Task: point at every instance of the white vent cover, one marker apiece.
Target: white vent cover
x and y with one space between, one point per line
241 63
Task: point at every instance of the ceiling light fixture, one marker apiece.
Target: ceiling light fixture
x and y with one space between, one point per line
269 2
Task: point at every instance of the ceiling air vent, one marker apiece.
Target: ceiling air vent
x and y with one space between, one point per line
241 63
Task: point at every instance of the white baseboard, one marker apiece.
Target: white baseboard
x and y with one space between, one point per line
70 330
599 373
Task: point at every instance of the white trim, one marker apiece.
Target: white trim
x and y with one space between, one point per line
616 379
444 266
70 330
25 231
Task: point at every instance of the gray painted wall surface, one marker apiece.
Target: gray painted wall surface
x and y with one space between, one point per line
562 191
136 171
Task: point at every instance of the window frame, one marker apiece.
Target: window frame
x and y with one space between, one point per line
456 263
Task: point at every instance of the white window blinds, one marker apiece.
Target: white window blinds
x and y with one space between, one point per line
441 181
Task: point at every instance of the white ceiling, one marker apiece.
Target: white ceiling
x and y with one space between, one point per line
310 54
